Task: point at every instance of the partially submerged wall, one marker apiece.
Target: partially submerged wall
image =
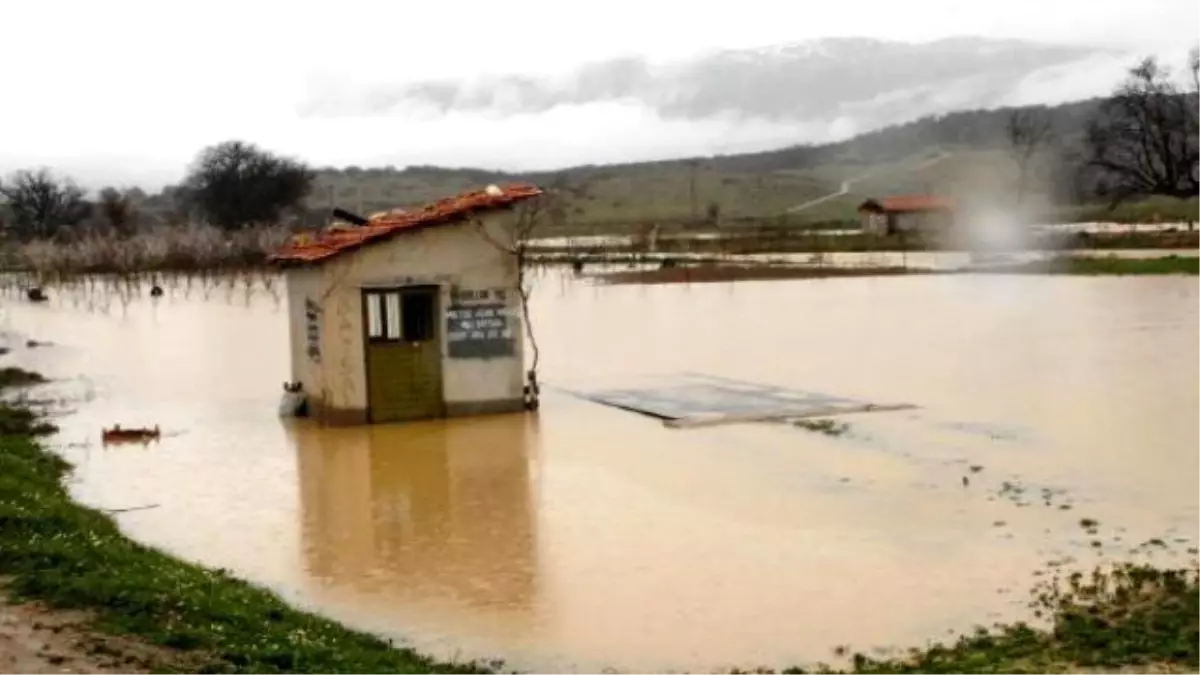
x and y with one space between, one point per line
304 329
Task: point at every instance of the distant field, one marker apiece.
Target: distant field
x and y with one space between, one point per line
660 191
966 155
598 200
602 198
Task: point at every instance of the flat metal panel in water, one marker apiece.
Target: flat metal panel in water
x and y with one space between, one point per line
689 395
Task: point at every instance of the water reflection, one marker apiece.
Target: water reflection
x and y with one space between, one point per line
422 511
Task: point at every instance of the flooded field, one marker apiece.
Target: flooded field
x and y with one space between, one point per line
592 240
586 537
941 261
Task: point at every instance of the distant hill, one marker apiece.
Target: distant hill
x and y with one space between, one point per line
797 90
737 187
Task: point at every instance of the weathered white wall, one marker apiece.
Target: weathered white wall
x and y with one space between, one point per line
447 256
302 283
874 223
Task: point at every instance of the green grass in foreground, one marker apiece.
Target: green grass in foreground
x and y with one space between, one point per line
1123 617
67 555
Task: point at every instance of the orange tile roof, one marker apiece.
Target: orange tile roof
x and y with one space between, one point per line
908 204
318 247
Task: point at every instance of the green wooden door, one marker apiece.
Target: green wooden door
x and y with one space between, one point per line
404 360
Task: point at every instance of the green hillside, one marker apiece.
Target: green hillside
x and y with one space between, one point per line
972 148
756 187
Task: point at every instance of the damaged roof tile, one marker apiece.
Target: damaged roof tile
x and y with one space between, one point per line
318 247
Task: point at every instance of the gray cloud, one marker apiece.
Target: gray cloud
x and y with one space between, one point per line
874 81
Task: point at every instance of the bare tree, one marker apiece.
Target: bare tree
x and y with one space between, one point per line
117 209
1194 67
529 216
1144 139
713 214
40 204
1029 131
555 199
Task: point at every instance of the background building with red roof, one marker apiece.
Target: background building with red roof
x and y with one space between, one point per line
906 214
411 314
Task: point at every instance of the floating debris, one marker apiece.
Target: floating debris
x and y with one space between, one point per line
824 426
133 508
139 435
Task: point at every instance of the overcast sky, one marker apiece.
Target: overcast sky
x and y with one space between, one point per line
126 91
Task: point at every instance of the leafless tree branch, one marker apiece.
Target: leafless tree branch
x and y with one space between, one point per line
1144 139
528 218
41 204
1194 67
1029 132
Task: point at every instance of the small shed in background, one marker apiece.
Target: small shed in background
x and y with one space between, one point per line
410 315
924 214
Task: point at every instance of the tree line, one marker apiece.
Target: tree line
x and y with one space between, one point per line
230 185
1144 139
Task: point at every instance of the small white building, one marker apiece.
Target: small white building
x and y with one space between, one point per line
412 315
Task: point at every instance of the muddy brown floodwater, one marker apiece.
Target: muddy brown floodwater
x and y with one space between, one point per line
587 537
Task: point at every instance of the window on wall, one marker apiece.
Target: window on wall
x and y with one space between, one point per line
374 316
394 316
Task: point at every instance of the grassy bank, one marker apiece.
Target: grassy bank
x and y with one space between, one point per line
1110 265
1096 266
689 274
1123 617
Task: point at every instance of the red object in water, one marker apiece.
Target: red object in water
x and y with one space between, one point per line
118 435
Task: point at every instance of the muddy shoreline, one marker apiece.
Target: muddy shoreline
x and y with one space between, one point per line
35 638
